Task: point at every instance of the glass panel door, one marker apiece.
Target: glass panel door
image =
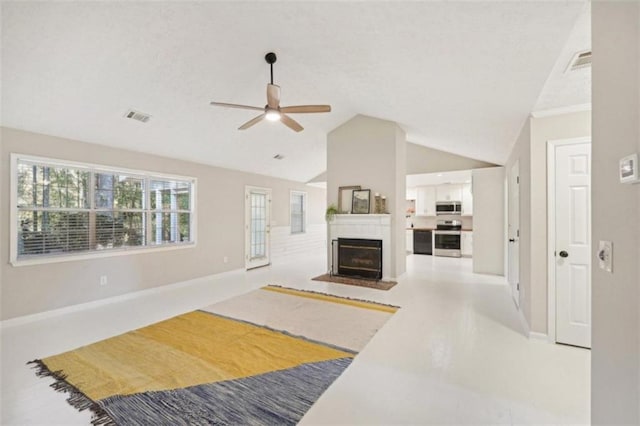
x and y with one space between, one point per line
258 225
258 206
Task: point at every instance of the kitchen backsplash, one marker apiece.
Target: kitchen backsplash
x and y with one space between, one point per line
430 221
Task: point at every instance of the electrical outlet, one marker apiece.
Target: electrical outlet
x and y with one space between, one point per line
103 280
605 255
225 259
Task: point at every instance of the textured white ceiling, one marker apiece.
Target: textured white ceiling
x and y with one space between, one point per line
568 88
459 77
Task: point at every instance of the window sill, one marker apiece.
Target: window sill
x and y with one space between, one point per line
40 260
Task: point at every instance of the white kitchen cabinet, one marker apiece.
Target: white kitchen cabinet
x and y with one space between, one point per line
426 201
450 192
466 243
467 200
426 197
410 241
412 193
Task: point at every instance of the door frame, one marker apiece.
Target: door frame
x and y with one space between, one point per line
247 225
551 229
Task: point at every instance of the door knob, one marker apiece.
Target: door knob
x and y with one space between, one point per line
512 240
564 254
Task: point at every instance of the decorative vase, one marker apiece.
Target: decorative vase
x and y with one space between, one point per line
377 209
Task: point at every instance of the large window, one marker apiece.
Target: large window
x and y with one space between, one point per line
64 209
298 212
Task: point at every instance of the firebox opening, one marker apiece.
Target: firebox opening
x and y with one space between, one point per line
360 258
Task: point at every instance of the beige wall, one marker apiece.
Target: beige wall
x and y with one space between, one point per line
615 354
400 201
488 220
371 153
220 216
565 126
421 159
522 151
531 150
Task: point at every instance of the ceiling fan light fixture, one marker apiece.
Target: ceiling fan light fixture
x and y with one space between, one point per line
272 115
272 110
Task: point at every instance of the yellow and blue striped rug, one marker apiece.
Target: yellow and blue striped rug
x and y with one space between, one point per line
262 358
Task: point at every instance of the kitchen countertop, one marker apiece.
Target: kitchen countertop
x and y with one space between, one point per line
433 229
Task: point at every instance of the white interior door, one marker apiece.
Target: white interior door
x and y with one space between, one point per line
257 226
573 243
513 231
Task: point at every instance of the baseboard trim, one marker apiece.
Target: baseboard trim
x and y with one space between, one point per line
523 322
26 319
532 335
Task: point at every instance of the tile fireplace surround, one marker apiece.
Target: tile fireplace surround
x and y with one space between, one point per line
367 226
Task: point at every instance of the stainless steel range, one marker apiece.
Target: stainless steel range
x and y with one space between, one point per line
447 236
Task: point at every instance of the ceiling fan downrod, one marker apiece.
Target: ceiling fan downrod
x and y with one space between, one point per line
271 58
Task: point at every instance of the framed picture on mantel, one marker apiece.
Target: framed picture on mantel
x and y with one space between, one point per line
360 202
345 198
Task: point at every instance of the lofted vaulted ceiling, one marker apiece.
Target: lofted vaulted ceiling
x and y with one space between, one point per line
460 77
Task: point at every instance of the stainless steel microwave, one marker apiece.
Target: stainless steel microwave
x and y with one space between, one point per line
448 207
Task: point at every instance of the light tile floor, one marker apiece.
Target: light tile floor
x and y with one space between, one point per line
454 354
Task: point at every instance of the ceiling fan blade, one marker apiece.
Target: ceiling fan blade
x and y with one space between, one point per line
222 104
273 95
291 123
302 109
252 122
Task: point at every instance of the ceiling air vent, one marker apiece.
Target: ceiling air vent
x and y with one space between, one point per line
580 60
137 115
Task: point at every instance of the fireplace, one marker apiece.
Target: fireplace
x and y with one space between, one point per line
360 258
362 226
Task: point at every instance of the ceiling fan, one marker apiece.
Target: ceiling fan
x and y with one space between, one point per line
272 111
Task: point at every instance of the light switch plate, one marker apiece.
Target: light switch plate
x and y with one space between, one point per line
605 255
629 169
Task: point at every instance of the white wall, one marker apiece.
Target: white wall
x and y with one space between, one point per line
286 246
371 153
615 354
488 220
220 216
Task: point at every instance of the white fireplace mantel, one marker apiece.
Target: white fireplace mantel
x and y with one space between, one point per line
367 226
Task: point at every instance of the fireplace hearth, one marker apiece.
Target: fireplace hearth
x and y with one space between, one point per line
359 257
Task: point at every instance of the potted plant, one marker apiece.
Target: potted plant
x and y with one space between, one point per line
332 210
